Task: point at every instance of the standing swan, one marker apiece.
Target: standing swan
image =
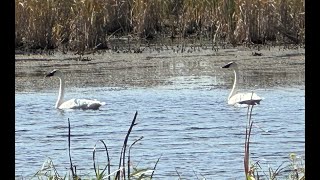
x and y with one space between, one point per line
72 103
235 98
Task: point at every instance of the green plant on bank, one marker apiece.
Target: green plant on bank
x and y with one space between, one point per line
295 170
297 167
49 171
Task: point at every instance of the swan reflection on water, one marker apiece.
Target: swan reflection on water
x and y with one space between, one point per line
72 103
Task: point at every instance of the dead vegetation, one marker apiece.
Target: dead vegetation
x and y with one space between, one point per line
100 24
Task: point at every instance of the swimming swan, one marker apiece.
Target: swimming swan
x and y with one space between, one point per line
72 103
235 98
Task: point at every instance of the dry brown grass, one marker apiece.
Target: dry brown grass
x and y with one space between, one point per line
79 25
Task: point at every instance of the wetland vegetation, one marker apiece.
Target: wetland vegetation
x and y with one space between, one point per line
176 26
84 26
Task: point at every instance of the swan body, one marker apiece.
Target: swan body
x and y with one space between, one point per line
235 98
72 103
81 104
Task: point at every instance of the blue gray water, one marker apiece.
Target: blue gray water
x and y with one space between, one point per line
187 122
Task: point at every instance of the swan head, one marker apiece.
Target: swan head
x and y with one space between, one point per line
232 65
55 72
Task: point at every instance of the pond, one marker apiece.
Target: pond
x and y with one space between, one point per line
183 117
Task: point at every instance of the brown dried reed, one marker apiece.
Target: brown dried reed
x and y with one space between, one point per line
80 25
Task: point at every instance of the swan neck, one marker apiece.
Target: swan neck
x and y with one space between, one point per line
61 92
233 91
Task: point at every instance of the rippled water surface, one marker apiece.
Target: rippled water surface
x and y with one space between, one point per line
193 129
185 120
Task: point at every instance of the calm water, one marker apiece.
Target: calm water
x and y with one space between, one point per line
187 121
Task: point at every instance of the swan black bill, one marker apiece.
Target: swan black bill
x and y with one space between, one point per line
250 102
227 65
51 73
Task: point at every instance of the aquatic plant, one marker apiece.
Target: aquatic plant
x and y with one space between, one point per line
49 171
247 169
295 170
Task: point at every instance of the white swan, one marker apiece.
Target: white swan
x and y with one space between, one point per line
72 103
235 98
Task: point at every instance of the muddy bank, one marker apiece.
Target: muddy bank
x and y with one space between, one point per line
153 68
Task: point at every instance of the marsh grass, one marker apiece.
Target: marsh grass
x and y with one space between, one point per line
87 24
292 170
49 171
247 170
